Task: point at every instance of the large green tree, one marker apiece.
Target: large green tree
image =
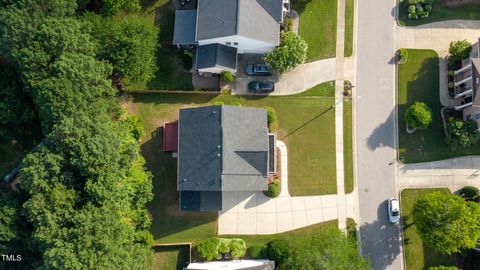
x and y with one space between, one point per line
16 107
331 250
291 52
129 44
446 222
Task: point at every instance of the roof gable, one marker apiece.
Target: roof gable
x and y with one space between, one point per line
256 19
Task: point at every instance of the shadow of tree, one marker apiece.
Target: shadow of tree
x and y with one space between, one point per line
380 239
299 5
383 135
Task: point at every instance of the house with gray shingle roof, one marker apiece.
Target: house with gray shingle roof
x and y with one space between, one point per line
221 150
219 30
466 86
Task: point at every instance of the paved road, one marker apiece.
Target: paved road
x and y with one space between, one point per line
375 132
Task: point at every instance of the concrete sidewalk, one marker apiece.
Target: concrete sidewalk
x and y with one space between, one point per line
453 173
437 36
254 213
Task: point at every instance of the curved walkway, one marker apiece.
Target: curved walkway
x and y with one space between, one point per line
452 173
254 213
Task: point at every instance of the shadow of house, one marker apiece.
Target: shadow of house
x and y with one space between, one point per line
164 209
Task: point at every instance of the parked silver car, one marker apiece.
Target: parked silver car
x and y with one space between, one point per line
258 70
393 210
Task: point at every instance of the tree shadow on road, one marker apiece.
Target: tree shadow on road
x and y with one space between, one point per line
382 135
380 240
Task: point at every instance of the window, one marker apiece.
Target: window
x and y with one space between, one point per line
235 43
477 116
228 43
468 116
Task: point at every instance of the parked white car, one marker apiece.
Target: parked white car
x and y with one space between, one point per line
393 210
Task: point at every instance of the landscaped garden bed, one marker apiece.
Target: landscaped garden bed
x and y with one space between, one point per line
440 10
418 81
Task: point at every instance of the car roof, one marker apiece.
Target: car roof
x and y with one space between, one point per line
395 204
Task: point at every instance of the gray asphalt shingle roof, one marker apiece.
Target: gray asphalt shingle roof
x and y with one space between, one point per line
256 19
223 148
185 26
216 55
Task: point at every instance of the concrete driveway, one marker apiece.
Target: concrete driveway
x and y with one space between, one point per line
302 78
254 213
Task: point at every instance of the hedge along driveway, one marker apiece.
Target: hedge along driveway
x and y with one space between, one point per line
318 26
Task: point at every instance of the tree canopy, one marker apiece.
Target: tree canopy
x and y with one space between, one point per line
446 222
418 115
81 199
327 251
291 52
129 44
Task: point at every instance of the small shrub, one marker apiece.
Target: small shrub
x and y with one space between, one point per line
208 249
227 76
451 73
402 55
460 49
451 85
418 115
257 252
134 126
271 114
412 11
287 24
237 247
461 134
224 246
273 189
279 250
469 192
427 7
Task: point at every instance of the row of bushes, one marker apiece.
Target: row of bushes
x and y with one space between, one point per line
214 247
419 9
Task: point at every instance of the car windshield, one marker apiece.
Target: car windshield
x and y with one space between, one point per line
394 213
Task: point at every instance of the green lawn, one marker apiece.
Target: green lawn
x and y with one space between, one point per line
348 145
418 256
171 257
440 13
418 80
349 23
318 26
169 75
252 240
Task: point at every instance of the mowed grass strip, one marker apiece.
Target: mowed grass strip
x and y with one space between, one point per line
349 23
418 255
348 145
318 26
418 80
